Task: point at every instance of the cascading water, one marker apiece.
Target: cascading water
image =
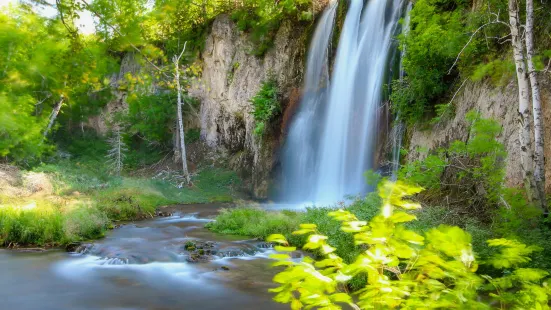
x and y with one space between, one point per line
301 148
398 129
331 141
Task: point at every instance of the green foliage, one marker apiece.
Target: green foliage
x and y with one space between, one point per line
404 270
435 38
263 17
152 117
266 105
40 64
129 203
499 71
85 223
470 172
192 135
21 132
18 226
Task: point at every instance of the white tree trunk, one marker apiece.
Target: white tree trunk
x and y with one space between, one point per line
180 120
526 151
539 160
53 116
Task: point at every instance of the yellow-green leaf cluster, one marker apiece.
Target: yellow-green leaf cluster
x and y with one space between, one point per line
404 269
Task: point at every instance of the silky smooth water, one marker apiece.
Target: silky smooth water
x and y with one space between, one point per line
141 266
333 137
300 153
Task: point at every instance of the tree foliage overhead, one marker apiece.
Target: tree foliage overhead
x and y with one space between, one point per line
41 63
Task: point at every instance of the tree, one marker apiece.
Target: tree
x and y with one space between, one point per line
43 72
539 161
53 116
117 151
176 61
525 135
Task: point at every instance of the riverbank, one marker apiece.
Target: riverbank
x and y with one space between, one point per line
168 262
76 199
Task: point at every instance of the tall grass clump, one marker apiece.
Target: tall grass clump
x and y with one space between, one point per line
254 222
47 224
30 226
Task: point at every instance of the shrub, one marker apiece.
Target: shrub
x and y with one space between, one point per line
263 18
43 224
126 204
467 175
85 223
405 269
436 36
266 105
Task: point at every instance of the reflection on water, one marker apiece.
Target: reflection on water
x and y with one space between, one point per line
143 266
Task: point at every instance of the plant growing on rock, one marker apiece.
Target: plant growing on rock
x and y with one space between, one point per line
468 174
266 105
404 269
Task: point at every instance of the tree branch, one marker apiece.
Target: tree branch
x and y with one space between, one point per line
469 42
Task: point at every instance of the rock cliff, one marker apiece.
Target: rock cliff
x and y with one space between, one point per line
499 103
231 76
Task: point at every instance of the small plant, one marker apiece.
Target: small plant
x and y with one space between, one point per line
405 270
192 135
232 71
266 105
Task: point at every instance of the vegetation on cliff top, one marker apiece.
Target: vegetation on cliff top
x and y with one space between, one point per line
451 41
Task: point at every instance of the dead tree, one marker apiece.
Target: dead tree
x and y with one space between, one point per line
176 60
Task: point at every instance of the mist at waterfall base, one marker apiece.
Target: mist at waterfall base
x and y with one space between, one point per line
332 139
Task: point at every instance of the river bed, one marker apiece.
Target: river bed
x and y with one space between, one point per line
144 265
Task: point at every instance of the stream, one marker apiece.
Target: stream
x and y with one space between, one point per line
170 262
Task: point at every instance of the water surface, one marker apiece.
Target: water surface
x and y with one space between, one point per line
143 266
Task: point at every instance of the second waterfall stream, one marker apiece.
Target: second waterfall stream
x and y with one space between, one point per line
332 139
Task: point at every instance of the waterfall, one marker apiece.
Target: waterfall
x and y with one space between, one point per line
331 141
398 129
300 152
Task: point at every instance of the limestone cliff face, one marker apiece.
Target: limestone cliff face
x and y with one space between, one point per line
231 77
499 103
100 122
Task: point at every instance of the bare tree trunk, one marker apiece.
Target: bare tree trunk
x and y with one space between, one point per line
526 151
53 116
180 120
539 160
176 143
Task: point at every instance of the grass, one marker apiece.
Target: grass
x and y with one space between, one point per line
86 198
255 222
44 223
